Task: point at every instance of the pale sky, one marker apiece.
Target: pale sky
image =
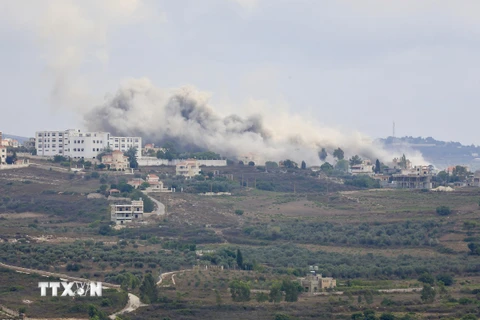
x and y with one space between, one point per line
346 63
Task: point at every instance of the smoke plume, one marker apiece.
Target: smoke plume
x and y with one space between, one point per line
185 117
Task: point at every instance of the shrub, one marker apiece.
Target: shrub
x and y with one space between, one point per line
445 278
238 212
443 210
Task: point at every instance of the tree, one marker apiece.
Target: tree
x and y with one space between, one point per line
96 314
292 290
322 154
445 278
240 291
426 278
290 164
131 153
271 165
239 259
428 294
326 167
387 316
251 164
338 154
368 297
303 165
378 167
443 210
148 289
275 294
355 160
261 297
342 165
442 177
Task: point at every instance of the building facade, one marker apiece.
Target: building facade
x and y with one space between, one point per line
126 213
316 283
188 168
76 144
3 155
116 161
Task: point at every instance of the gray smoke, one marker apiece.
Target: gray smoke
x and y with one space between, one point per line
185 117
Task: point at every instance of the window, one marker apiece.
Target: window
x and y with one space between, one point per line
136 140
82 149
93 149
83 141
74 149
53 134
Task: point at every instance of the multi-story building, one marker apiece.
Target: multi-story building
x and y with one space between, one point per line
188 168
30 143
78 145
116 161
125 143
3 155
124 213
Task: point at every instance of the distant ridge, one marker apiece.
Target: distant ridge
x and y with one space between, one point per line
18 138
440 153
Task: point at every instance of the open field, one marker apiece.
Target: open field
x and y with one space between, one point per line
371 239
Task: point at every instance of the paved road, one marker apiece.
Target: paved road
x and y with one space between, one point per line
133 304
160 206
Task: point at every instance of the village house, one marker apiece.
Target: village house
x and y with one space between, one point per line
313 283
116 161
418 177
155 184
188 168
125 213
366 167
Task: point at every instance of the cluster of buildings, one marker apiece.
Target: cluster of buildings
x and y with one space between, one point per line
403 176
153 182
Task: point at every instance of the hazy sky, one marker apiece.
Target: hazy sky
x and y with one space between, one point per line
345 63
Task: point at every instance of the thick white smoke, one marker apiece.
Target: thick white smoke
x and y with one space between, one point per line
184 116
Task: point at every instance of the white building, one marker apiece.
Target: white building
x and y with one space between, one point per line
124 213
77 144
125 143
188 168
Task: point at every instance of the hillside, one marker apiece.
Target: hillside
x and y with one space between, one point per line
368 240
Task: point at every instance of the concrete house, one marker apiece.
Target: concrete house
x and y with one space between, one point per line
188 168
116 161
126 213
316 283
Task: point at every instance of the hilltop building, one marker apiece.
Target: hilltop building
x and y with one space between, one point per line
79 145
188 168
125 213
